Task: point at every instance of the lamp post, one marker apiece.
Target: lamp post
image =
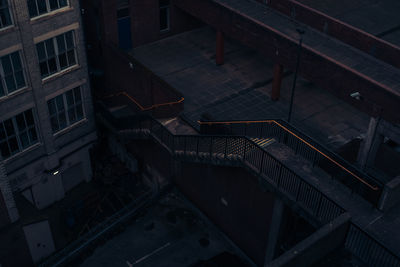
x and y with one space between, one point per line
301 32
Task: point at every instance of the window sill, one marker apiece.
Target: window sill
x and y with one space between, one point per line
14 94
29 149
8 29
70 127
60 73
51 14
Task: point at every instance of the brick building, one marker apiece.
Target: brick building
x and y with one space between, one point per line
322 189
46 113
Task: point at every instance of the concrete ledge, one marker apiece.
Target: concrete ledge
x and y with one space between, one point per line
325 240
391 195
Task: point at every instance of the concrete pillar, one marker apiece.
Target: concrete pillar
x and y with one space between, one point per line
274 231
6 192
370 145
277 81
219 59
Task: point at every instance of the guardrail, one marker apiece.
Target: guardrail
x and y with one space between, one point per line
303 145
220 148
237 149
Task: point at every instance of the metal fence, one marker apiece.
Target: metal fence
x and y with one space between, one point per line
303 145
240 148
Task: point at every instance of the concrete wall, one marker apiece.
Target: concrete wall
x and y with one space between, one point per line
325 240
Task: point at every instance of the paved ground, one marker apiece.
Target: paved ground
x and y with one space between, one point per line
169 234
240 88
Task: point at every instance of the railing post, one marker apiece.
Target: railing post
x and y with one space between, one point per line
262 160
244 150
211 144
197 146
226 146
184 149
245 129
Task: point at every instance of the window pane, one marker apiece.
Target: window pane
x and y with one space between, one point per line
23 138
5 17
6 62
8 125
63 3
60 44
19 77
71 57
5 152
20 122
71 115
52 65
44 70
32 135
50 48
53 4
70 98
41 6
32 8
13 143
41 51
54 124
77 93
52 106
2 93
62 120
16 60
164 19
62 59
2 132
60 103
79 112
10 83
69 39
29 117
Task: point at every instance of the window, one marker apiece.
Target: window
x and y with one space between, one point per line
17 133
56 54
39 7
5 16
11 73
164 15
65 109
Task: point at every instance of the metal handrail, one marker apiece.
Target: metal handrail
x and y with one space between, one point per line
384 255
280 123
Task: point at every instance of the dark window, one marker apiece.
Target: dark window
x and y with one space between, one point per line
11 73
5 16
17 133
65 109
39 7
164 15
56 54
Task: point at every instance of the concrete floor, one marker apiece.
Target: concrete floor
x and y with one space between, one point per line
240 89
169 234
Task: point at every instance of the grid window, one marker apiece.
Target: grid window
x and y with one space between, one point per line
65 109
17 133
11 73
39 7
56 54
164 15
5 16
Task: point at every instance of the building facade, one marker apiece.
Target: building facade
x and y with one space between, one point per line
46 112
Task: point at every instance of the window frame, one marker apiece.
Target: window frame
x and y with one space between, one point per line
66 109
48 8
17 133
57 54
2 75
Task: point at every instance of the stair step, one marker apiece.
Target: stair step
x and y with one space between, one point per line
263 142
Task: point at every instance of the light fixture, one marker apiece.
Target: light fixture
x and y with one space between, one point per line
56 172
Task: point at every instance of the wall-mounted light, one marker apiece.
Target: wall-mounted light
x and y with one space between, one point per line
56 172
356 95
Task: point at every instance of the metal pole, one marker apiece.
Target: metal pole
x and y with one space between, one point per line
301 32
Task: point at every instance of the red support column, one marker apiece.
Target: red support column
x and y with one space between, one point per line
219 59
276 81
